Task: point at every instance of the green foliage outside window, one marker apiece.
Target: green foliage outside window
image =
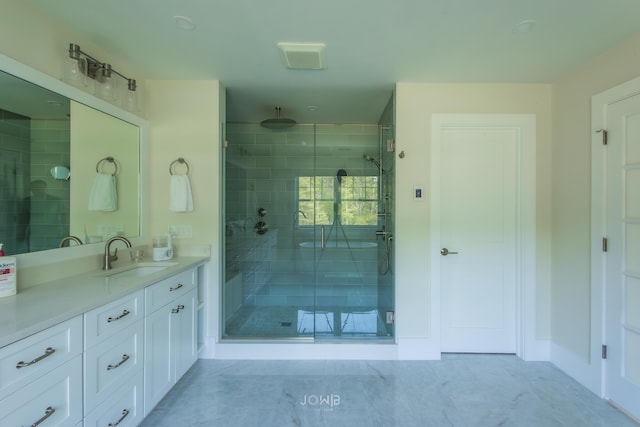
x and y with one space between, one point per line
323 199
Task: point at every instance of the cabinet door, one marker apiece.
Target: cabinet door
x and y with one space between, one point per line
52 400
185 334
170 347
158 357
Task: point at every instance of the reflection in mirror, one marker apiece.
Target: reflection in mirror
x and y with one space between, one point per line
34 137
106 171
41 166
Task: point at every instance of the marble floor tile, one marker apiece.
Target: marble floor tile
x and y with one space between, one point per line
459 390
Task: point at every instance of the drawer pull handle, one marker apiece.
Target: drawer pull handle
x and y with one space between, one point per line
48 352
113 319
177 309
125 412
124 359
176 288
47 413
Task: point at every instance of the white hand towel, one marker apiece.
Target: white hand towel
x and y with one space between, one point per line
103 195
180 198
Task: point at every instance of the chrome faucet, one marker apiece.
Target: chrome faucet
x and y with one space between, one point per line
69 239
108 258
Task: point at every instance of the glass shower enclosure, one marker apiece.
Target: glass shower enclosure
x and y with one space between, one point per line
308 232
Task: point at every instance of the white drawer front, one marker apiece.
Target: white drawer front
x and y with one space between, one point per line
161 293
55 399
112 318
30 358
111 363
123 409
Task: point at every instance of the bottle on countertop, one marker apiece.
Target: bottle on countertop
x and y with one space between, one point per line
7 274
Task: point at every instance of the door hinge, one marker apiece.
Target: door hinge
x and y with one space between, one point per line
604 136
605 244
604 351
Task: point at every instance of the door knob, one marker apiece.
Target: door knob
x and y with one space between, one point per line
445 252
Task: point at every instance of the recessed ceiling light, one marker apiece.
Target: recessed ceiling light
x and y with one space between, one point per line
524 26
312 107
184 23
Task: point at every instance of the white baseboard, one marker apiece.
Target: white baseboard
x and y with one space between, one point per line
404 349
418 349
304 351
587 374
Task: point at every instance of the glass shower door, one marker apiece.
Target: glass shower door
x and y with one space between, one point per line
301 214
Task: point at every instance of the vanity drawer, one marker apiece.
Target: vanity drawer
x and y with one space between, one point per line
32 357
112 318
161 293
110 364
55 399
123 408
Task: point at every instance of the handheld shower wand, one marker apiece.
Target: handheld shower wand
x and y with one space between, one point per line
372 160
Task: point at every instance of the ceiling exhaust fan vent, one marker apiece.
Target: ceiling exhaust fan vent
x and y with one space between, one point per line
303 56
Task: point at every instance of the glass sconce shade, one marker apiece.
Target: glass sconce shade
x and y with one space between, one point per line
73 72
107 88
131 99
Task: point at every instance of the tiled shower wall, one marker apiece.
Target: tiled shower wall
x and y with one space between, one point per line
262 167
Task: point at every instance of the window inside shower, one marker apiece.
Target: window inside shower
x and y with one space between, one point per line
353 198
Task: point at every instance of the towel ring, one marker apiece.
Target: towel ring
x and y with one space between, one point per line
110 160
181 161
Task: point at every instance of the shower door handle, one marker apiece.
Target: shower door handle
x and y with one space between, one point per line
445 252
322 242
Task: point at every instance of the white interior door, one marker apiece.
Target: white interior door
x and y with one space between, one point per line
623 256
474 211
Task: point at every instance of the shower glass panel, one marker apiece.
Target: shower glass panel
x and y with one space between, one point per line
302 242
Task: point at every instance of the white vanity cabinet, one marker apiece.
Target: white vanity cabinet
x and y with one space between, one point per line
170 334
113 358
41 377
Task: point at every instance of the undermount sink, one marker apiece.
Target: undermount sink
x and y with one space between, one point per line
141 269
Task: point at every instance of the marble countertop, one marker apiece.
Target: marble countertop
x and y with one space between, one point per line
40 307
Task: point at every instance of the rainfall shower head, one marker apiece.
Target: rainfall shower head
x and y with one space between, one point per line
279 123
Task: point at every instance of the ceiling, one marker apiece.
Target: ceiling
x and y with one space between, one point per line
370 45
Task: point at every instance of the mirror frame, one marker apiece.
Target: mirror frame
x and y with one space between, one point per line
46 81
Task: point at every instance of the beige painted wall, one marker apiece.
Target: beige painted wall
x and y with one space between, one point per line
416 102
95 136
571 201
184 119
30 37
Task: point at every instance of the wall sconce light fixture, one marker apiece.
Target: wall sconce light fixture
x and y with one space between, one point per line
94 68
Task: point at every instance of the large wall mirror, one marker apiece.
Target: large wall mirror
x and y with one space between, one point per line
62 163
